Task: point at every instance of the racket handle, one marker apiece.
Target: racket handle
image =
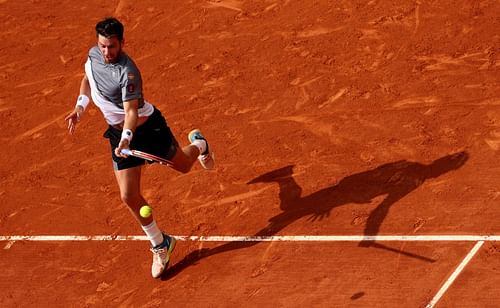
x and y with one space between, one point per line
126 151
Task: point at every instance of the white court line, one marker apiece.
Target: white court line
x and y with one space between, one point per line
272 238
480 239
455 274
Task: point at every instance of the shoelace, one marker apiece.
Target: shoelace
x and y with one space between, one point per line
158 250
159 255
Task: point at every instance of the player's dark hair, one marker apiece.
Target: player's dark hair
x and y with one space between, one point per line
109 27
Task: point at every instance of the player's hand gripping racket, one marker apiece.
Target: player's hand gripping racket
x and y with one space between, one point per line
147 156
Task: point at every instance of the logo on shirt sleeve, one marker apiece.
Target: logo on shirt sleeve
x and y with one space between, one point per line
131 88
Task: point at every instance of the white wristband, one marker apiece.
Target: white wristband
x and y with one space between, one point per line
83 101
127 134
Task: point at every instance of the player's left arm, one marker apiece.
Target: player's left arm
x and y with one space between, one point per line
83 100
131 108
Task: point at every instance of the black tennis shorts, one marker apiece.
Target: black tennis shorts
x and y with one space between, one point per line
154 137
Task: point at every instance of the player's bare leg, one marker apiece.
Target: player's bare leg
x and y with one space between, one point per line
162 244
129 181
185 157
198 150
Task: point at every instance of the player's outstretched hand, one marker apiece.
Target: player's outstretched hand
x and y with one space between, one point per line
319 215
73 118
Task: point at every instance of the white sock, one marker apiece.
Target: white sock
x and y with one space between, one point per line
154 234
200 144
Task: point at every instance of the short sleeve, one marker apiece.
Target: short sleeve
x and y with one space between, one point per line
131 85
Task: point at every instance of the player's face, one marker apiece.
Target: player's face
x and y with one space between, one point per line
110 48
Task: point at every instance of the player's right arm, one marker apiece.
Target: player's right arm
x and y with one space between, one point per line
83 100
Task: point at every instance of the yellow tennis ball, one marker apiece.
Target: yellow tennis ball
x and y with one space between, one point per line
145 211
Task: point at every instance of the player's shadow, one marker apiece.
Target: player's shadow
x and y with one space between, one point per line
395 180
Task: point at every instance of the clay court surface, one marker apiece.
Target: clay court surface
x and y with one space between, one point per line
328 118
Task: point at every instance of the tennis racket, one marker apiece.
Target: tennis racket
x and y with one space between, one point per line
147 156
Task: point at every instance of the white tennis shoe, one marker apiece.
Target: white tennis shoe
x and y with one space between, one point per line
161 256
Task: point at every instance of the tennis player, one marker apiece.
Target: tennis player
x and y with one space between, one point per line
113 82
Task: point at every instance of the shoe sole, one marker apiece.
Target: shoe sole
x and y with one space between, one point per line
191 133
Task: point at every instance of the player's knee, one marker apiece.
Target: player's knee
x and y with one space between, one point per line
183 168
182 165
129 198
182 162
